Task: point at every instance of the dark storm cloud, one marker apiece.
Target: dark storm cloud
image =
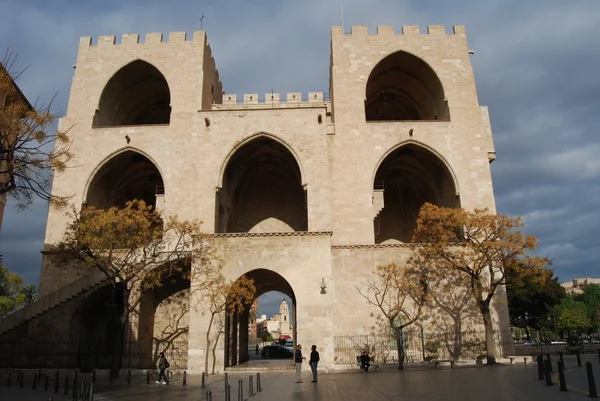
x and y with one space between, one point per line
535 64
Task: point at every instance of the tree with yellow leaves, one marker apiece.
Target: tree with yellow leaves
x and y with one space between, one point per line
400 293
220 298
136 249
29 153
478 244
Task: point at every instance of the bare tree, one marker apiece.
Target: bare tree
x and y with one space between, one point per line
400 294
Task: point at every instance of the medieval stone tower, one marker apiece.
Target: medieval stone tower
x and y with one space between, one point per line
299 190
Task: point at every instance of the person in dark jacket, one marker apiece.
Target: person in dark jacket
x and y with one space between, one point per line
163 364
364 361
313 361
298 359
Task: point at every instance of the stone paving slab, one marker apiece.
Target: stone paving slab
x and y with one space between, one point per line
493 383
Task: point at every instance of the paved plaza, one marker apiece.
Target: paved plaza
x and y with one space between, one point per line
494 383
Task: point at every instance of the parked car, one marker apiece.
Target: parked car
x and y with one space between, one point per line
530 342
289 345
276 352
558 342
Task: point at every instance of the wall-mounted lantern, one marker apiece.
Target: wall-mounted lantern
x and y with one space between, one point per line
323 286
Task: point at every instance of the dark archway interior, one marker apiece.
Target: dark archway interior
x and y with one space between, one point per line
409 177
404 87
262 191
172 318
138 94
127 176
236 342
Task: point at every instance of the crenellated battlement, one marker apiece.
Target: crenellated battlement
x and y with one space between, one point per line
132 39
408 30
271 100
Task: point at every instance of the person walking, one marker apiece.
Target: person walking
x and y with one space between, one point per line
364 361
256 348
313 361
163 365
298 359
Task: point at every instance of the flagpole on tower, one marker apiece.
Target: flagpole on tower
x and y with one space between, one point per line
342 12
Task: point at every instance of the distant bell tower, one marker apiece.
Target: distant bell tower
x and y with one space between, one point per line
284 311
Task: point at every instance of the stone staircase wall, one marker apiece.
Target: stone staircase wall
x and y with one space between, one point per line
50 301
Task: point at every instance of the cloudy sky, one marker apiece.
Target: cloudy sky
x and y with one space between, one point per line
536 64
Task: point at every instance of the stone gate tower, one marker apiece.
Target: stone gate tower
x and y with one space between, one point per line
299 191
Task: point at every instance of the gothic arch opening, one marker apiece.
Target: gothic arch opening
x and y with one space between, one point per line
261 191
406 179
127 176
238 328
138 94
164 316
404 87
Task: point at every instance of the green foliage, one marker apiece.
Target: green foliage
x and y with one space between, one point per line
12 294
532 294
573 316
591 299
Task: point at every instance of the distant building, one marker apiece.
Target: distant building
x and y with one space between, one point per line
278 325
574 286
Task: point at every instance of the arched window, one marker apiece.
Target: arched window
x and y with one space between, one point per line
262 190
404 87
138 94
408 177
127 176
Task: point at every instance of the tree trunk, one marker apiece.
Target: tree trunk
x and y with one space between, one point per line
489 334
117 355
206 351
457 349
214 351
400 346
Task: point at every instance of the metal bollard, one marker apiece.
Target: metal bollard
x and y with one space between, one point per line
240 390
547 372
540 363
46 383
8 379
18 376
258 387
228 393
549 362
22 380
75 386
561 375
129 376
147 377
209 395
250 386
226 379
35 378
184 378
56 381
94 376
203 384
560 356
91 393
66 385
578 359
591 382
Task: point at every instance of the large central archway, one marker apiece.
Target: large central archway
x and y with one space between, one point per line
261 190
237 327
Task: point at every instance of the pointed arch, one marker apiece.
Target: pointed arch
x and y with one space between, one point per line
261 188
126 174
406 177
137 94
402 86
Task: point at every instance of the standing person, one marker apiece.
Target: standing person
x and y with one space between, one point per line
298 359
313 361
163 364
256 348
364 361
